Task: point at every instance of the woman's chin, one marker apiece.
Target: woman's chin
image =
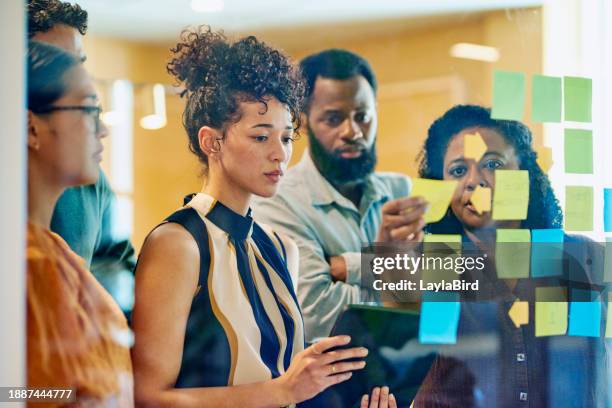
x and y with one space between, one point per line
266 192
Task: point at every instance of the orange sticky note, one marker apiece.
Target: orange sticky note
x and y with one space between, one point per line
473 146
481 199
519 313
544 159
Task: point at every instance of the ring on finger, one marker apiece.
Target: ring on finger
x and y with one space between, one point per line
333 368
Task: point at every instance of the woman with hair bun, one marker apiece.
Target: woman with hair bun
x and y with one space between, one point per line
216 318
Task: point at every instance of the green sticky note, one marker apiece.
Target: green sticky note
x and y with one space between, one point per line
442 246
512 253
511 196
546 99
550 311
508 95
577 98
578 151
578 208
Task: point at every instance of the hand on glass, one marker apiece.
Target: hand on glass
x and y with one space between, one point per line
381 398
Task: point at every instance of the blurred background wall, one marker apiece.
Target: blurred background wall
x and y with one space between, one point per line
418 78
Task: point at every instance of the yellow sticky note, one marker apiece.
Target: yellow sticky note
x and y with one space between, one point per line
443 238
473 146
481 199
519 313
550 311
444 246
437 192
511 196
544 159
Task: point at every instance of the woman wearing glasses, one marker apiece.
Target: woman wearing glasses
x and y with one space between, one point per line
77 335
216 318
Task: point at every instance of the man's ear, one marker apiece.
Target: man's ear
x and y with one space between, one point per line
34 126
303 120
209 140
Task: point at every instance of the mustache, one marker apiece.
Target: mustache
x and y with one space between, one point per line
359 144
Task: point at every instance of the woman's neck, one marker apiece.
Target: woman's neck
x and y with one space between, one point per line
42 197
227 193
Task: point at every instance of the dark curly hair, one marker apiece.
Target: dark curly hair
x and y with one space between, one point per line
43 15
334 63
219 74
543 211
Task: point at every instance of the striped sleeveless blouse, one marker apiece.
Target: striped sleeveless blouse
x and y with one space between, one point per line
245 324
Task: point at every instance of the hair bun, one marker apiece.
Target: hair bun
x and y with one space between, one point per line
198 59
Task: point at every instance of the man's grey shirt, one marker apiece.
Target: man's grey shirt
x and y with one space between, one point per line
324 223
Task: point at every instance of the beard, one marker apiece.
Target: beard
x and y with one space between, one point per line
338 170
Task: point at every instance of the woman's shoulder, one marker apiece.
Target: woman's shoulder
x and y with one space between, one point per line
170 238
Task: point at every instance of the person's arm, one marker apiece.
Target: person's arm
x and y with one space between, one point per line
166 281
112 254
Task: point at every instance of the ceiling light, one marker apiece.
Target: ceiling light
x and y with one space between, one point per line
475 52
207 6
156 111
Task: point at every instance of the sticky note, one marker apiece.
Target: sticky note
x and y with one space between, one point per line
577 98
550 311
444 246
578 208
511 196
512 253
578 151
545 158
585 313
545 99
439 321
508 95
442 238
546 252
474 147
519 313
607 209
481 199
437 192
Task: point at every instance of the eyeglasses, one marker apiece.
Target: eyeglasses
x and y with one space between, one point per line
93 111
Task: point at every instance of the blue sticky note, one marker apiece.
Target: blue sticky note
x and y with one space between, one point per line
585 313
546 252
607 209
439 321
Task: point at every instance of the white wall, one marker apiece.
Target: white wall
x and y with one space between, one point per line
12 196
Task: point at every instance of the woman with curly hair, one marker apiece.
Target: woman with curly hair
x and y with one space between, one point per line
509 148
528 365
216 318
